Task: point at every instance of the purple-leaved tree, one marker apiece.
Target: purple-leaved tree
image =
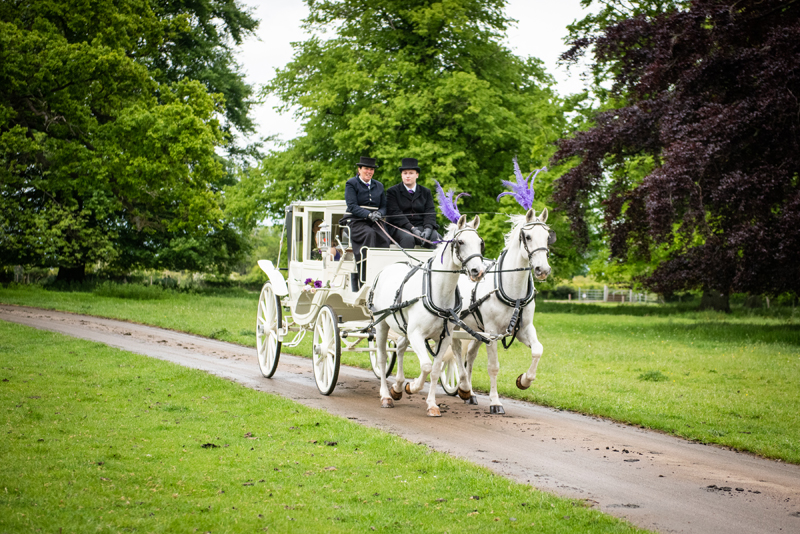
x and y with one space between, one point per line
711 97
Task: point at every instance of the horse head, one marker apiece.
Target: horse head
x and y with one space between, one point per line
468 247
535 238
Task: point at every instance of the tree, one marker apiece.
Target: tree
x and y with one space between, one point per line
400 78
100 163
584 33
710 111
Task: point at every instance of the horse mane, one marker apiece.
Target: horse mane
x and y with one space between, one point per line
512 237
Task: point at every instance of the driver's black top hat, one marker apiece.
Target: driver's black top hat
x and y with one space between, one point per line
410 164
366 162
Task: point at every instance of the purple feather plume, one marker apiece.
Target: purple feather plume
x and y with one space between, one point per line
447 204
521 191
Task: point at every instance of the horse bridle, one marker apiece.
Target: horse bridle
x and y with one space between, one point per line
457 248
525 243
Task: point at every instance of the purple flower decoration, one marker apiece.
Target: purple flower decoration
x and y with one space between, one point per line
521 191
308 281
447 204
318 283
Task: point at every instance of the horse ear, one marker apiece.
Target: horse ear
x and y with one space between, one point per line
530 215
461 222
543 215
476 222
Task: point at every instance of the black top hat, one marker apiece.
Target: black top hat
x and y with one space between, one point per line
367 162
410 164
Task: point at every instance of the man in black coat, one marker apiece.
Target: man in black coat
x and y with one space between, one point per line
410 206
366 205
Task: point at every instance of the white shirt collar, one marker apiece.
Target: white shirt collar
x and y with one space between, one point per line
412 189
368 184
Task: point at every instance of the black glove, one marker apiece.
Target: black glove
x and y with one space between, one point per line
375 216
415 231
426 233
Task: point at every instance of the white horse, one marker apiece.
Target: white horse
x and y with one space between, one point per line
429 293
507 295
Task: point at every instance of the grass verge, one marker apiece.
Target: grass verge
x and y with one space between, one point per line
716 378
102 440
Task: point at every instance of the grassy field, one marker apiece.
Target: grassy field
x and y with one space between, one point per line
101 440
716 378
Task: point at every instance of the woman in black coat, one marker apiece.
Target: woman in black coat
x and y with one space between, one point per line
410 206
366 205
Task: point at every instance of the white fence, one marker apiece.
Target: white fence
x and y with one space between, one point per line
612 295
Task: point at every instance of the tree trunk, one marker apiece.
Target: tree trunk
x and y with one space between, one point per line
714 300
75 273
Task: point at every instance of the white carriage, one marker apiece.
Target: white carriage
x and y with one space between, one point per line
335 313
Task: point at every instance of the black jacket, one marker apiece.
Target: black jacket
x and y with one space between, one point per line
406 210
357 194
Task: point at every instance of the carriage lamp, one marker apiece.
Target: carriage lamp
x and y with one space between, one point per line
324 237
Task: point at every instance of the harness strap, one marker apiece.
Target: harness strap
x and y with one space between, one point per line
403 323
498 283
445 333
475 305
513 326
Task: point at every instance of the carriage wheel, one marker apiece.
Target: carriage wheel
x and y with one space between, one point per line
449 376
391 358
268 322
327 350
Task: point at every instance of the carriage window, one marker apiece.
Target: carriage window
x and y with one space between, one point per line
316 218
338 235
298 239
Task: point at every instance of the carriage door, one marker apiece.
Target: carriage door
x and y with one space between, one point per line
297 238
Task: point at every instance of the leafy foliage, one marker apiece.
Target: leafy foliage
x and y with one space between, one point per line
421 79
709 107
105 157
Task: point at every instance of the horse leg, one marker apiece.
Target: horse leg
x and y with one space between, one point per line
396 391
417 341
382 333
527 335
472 353
493 367
436 372
454 351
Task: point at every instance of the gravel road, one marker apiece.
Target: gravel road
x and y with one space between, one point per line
655 481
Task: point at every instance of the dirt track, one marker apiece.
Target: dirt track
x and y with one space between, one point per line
653 480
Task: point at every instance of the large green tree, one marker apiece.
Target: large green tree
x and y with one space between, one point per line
110 116
410 78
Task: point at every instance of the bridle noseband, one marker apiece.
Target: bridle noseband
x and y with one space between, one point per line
457 249
524 243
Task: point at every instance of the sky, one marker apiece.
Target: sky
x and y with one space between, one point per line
539 32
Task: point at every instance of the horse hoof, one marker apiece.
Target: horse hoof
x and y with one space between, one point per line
473 400
519 383
408 389
386 402
434 412
465 395
396 395
496 410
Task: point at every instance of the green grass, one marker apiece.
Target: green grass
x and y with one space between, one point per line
97 439
716 378
706 377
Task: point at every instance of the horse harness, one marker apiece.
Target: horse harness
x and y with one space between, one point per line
518 304
447 315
